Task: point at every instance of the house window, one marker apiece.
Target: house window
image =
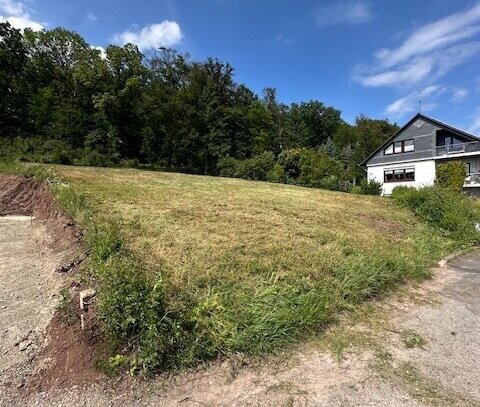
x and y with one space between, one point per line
468 168
405 146
399 175
397 147
408 146
388 176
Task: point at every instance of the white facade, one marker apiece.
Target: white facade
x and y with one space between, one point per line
424 174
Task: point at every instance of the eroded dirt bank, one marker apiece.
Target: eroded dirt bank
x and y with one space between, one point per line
36 240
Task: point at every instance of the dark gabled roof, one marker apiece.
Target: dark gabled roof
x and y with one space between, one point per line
436 122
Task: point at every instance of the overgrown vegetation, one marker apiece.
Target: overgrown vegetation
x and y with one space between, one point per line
455 214
62 102
188 267
297 166
451 175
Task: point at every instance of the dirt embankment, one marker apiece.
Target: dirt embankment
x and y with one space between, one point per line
26 196
41 347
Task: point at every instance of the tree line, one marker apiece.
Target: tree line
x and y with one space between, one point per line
63 101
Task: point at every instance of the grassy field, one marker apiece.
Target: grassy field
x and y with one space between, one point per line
244 266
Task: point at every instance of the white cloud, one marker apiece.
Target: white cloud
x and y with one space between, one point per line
91 18
282 39
18 15
347 12
103 52
427 53
475 125
459 94
164 34
410 103
413 73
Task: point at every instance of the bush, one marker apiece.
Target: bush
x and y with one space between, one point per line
93 158
297 166
454 213
332 183
290 162
315 166
276 174
370 187
452 175
255 168
227 166
36 149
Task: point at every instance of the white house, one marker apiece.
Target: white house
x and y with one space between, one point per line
410 157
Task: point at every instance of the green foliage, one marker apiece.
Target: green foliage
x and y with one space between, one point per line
290 162
300 166
412 339
154 324
64 103
276 174
227 166
454 213
315 166
36 149
370 188
258 167
113 365
451 175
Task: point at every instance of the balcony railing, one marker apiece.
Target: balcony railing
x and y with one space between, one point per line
459 148
472 179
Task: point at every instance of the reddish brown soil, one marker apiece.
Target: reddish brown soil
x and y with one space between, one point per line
25 196
71 352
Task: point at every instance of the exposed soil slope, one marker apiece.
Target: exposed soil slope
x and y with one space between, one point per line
36 240
25 196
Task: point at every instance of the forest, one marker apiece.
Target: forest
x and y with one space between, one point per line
64 101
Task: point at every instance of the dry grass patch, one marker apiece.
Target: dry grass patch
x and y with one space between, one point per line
248 266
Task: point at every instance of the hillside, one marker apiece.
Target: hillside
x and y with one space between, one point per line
248 266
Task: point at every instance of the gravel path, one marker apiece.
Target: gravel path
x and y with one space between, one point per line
426 349
29 291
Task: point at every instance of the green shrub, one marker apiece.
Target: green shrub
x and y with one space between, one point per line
451 175
255 168
316 166
36 149
93 158
332 183
290 162
370 187
227 166
454 213
276 174
356 189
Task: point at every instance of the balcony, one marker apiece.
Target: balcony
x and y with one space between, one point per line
472 180
460 148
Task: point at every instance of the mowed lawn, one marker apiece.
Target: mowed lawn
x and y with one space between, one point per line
259 250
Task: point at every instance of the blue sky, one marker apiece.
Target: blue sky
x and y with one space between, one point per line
370 57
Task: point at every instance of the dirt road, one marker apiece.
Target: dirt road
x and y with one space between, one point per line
420 347
29 292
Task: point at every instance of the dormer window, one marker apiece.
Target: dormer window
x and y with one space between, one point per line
408 146
399 147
